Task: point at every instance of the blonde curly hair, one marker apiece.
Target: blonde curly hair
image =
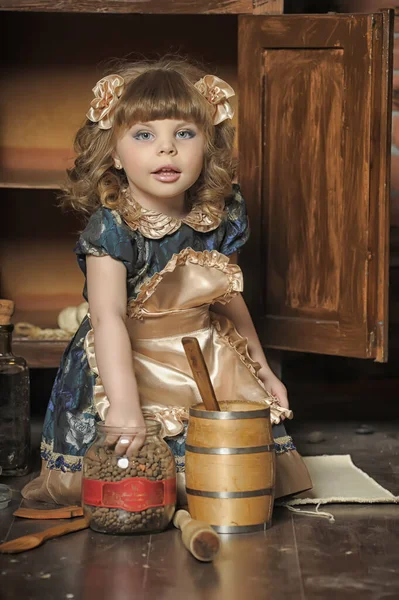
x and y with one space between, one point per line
159 89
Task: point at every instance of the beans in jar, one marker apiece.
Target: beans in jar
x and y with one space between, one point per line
135 494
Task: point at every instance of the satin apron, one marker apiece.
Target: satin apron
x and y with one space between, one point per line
174 303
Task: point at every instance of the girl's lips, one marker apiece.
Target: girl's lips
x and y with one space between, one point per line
167 168
166 176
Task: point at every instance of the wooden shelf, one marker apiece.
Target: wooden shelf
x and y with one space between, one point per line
31 179
34 168
43 354
147 7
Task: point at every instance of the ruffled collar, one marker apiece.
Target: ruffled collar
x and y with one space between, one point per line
155 225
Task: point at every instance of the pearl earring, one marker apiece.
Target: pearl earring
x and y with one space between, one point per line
118 165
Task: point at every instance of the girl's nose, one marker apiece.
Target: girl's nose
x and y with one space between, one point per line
167 147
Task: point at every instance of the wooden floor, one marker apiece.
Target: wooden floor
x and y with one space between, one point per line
300 557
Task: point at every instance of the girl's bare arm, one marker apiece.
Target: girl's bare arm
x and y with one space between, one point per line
106 286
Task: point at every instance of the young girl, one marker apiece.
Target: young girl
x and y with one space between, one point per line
154 171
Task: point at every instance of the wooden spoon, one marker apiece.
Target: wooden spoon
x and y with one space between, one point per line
27 542
65 512
200 372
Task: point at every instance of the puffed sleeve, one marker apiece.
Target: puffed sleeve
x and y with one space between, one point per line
236 223
106 234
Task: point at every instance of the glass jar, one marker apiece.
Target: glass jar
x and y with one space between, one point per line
136 494
14 407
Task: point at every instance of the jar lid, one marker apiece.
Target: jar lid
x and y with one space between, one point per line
153 427
5 496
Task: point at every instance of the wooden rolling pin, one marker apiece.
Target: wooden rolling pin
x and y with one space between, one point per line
199 538
200 372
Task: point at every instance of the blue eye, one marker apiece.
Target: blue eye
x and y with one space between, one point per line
185 134
143 135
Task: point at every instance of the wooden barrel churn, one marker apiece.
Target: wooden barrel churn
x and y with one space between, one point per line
230 467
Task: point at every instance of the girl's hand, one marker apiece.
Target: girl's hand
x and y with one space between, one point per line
126 415
275 387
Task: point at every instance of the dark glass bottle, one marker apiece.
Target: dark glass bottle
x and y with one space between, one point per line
14 401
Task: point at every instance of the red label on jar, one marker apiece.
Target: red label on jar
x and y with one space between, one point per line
133 494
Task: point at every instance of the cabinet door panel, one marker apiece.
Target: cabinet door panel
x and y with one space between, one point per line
314 131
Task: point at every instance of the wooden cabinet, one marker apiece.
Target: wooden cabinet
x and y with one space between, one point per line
313 136
314 126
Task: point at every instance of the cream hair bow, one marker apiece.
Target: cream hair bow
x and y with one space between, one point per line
217 92
107 91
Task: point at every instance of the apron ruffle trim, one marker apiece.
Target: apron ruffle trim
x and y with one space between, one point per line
239 344
213 259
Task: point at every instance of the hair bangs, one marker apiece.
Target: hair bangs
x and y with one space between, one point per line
162 94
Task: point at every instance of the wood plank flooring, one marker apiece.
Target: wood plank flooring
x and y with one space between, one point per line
300 557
